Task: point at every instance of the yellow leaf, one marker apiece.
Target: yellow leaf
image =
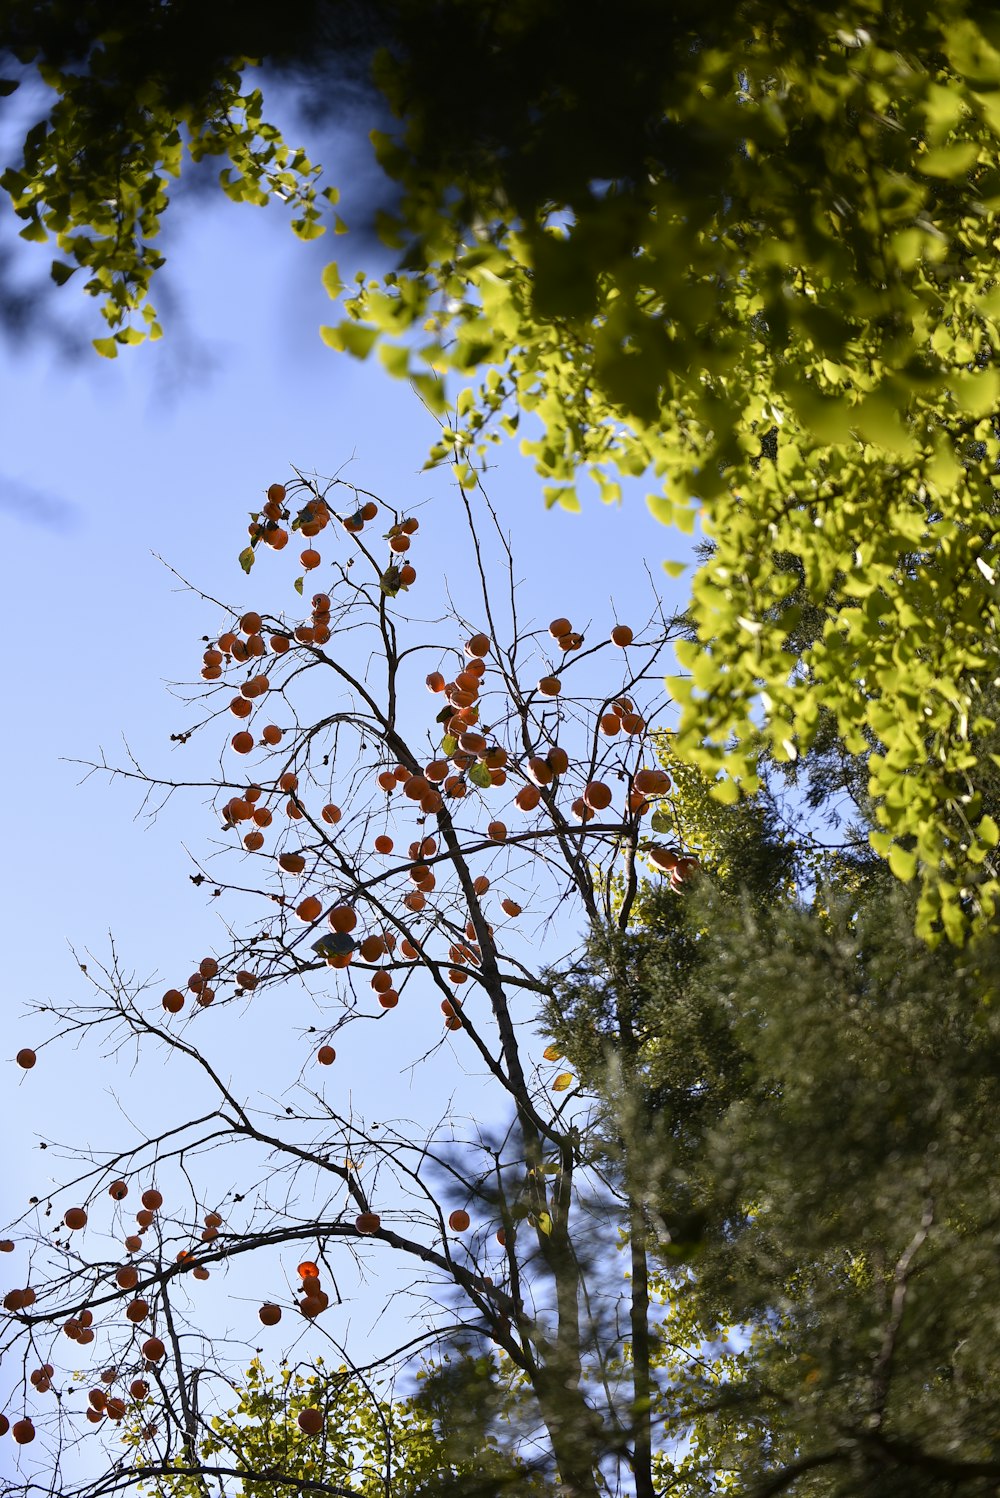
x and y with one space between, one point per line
564 1080
552 1053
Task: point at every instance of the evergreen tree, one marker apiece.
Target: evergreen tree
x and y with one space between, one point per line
813 1101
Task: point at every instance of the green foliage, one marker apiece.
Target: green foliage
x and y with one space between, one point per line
475 1406
372 1444
812 1101
738 842
864 1148
95 172
632 1016
796 336
758 273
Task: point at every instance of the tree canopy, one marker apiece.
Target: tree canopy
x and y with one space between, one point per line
800 345
816 1099
746 252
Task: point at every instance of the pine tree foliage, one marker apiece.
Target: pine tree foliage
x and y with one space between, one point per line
814 1097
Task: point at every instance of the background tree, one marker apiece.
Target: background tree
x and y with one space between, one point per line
372 1443
816 1089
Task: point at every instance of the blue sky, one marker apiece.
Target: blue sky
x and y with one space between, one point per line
112 474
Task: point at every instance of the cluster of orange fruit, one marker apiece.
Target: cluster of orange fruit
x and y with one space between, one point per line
467 753
19 1300
209 1233
41 1378
100 1404
200 986
247 642
679 866
248 807
569 640
314 1299
399 575
229 648
466 758
79 1328
342 920
370 949
269 527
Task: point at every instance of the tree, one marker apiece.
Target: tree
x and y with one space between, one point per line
763 1097
805 346
523 783
759 268
816 1096
370 1443
131 102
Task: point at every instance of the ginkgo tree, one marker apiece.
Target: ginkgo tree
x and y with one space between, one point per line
746 254
790 334
405 800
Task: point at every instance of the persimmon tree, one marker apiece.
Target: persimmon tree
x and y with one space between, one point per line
386 855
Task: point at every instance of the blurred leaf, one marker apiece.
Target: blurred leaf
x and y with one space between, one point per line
332 284
350 337
902 863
